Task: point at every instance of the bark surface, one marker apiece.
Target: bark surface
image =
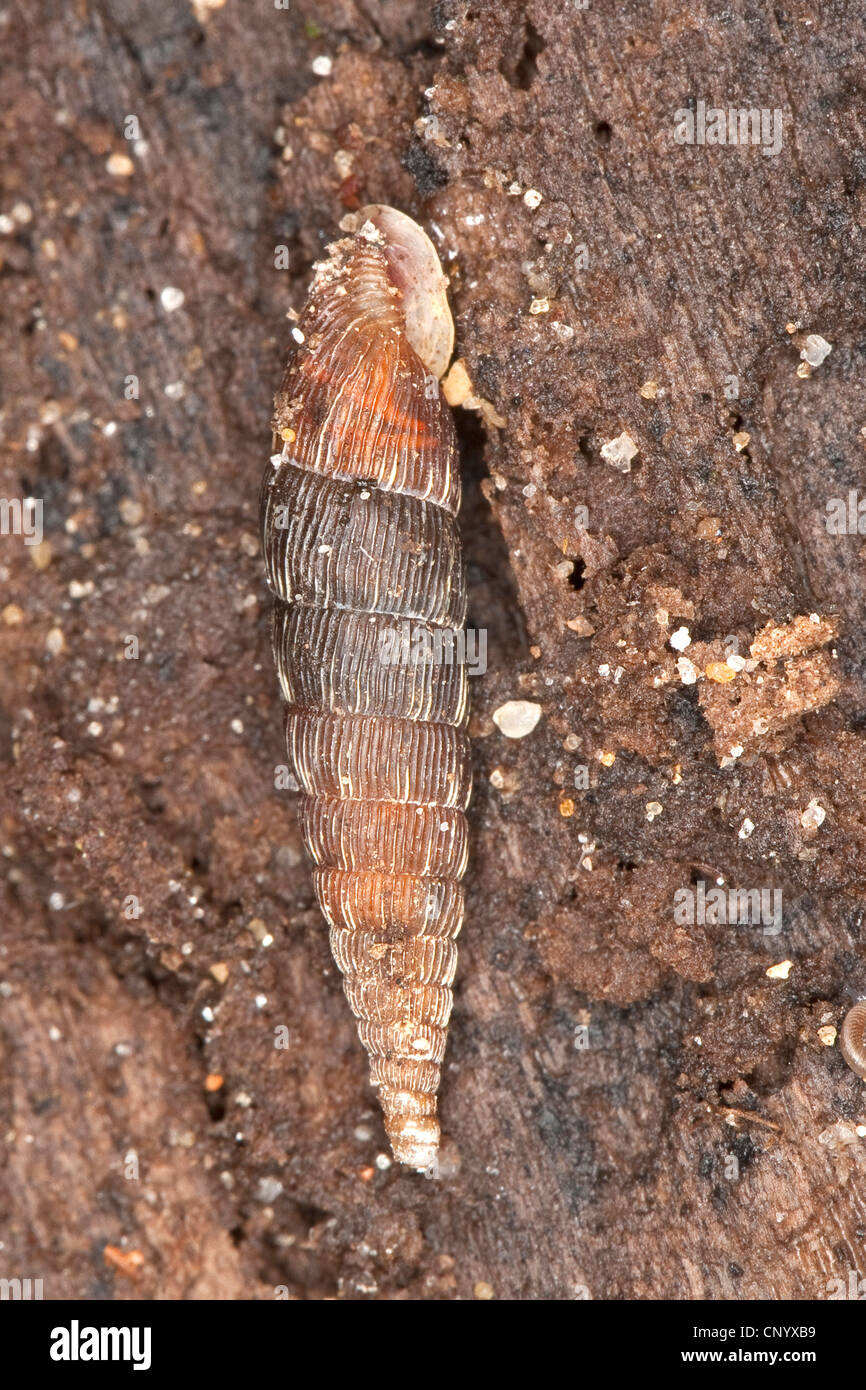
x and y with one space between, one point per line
633 1107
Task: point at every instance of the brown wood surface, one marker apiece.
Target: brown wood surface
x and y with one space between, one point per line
568 1172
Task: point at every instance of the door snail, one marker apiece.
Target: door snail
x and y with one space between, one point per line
361 548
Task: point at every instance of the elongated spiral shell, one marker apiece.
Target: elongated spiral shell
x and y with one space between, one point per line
364 558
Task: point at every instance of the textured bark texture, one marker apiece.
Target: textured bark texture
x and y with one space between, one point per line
633 1107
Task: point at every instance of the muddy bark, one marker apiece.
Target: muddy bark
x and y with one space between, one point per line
635 1104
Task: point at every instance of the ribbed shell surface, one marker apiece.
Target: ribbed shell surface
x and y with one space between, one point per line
363 556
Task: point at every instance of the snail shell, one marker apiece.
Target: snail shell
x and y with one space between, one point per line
852 1038
361 546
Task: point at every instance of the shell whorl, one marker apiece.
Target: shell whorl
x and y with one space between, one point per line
364 558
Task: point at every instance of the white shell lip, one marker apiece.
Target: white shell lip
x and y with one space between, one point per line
417 271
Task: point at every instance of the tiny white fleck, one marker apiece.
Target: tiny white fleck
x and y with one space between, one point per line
532 198
517 718
322 65
746 829
813 816
171 298
816 349
120 165
268 1189
681 639
619 452
780 971
56 902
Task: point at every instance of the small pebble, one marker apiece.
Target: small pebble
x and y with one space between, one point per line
813 816
322 65
619 452
816 349
517 718
780 971
131 512
268 1190
171 298
687 669
120 166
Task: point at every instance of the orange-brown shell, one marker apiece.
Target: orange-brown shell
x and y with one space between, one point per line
360 540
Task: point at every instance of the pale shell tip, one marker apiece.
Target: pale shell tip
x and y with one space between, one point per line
416 1143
